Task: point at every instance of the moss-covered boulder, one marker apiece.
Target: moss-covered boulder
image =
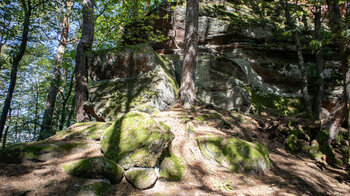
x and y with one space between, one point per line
131 78
141 178
95 168
83 131
172 168
136 140
235 154
38 152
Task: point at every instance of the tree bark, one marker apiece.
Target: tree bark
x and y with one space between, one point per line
16 60
36 108
65 101
319 64
71 112
338 26
301 63
46 128
82 60
187 90
8 128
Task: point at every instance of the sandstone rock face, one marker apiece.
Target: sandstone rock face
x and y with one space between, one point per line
129 79
236 56
141 178
235 154
136 140
95 168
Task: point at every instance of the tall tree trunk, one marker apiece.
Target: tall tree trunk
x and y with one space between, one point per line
65 101
16 60
187 90
8 129
36 108
301 63
338 27
82 60
46 125
319 64
71 112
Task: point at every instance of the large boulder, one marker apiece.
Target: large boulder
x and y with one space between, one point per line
95 168
235 154
128 79
136 140
141 178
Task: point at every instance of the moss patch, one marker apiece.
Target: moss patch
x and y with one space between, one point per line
282 105
172 168
34 151
325 148
236 154
88 130
95 167
141 178
97 188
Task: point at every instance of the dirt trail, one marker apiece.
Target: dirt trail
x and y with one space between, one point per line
291 175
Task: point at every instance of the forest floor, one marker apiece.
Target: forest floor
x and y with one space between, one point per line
292 174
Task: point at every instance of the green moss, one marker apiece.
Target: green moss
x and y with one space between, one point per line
292 143
95 167
146 109
89 130
172 168
236 154
97 188
325 148
203 119
136 140
34 150
250 155
283 105
141 178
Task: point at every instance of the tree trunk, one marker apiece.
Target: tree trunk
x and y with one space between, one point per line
8 128
46 127
16 60
65 101
187 90
319 64
82 60
71 112
335 119
338 27
36 108
301 63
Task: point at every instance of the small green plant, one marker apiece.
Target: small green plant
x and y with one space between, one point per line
224 185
